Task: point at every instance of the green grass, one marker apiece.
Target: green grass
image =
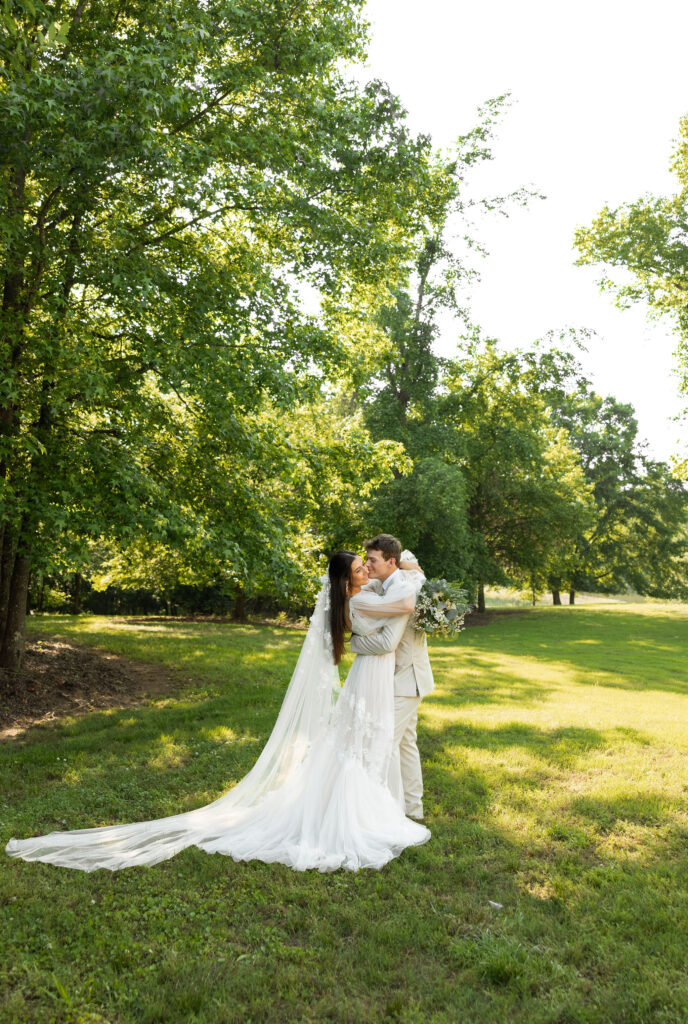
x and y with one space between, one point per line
556 774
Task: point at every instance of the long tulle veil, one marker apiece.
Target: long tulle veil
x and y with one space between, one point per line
304 714
302 719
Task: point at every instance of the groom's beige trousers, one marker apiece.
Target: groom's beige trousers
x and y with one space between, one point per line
406 777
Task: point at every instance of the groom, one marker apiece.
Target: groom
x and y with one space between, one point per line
412 673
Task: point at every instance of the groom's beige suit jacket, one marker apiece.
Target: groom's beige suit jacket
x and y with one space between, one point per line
412 672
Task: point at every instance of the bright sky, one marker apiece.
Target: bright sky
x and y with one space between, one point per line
598 90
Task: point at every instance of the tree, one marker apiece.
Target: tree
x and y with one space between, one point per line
648 242
263 526
170 176
527 495
657 530
402 385
638 539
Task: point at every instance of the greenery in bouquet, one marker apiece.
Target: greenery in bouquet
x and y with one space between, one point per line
440 608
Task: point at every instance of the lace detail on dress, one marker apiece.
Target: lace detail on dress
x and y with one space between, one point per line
364 735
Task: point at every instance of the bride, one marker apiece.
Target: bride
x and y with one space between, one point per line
318 795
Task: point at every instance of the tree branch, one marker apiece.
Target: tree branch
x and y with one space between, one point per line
76 18
199 115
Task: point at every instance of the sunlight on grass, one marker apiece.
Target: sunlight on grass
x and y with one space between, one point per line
167 753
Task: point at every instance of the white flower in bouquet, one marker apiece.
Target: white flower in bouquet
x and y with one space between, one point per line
440 608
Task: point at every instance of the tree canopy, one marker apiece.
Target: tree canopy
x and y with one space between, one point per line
643 250
172 177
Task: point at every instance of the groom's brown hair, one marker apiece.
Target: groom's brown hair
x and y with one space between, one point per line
388 545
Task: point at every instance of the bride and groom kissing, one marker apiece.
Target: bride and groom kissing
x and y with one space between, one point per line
338 783
412 673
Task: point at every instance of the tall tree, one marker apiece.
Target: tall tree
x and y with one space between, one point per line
638 537
527 495
403 382
648 242
170 175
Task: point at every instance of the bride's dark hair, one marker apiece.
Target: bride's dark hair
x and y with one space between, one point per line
339 572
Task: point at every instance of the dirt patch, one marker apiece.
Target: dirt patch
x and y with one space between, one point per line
61 678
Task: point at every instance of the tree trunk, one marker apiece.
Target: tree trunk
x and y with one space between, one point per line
481 597
572 596
6 568
240 606
556 597
12 650
77 593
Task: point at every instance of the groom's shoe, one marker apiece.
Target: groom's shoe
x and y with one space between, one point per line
416 814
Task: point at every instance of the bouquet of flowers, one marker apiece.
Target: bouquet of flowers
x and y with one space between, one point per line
440 608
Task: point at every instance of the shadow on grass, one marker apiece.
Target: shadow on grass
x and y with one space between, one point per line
657 820
635 807
583 935
562 747
635 650
469 678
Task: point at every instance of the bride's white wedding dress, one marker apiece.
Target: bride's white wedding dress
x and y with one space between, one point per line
318 796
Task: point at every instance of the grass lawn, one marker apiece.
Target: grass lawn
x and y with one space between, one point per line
555 758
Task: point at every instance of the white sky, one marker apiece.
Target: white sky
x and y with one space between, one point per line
598 89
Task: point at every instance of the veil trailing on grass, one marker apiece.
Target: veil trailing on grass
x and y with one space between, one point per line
302 720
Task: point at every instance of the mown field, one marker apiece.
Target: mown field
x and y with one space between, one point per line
555 756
